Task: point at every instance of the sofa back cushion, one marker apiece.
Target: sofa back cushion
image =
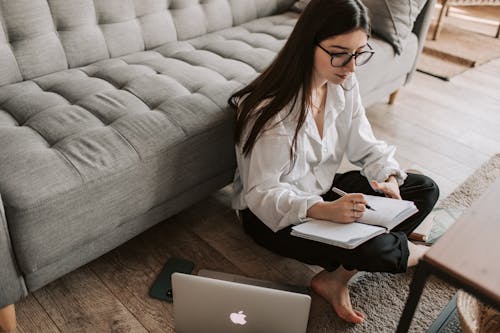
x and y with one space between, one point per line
390 19
393 19
39 37
30 44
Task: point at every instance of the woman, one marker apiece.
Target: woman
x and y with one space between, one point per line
294 124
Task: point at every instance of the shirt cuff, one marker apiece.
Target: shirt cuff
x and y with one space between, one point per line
399 174
308 204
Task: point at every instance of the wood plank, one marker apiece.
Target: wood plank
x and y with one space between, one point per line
483 81
446 115
425 137
455 92
79 302
128 272
31 317
443 120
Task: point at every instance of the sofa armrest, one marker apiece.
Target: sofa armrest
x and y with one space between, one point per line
420 28
12 287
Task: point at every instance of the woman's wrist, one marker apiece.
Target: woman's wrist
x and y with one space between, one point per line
318 211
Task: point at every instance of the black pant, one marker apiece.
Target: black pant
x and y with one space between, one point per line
385 253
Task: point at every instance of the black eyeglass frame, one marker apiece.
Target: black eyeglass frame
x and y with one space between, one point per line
351 55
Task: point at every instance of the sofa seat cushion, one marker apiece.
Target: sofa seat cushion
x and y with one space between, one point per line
87 149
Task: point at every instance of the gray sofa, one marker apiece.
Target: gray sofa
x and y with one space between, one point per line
113 117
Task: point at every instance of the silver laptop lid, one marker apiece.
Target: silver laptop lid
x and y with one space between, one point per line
205 305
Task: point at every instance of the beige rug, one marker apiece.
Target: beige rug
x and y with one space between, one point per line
382 296
457 49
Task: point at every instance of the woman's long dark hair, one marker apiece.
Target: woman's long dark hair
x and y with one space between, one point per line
292 69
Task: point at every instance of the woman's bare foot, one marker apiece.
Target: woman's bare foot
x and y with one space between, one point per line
416 252
332 286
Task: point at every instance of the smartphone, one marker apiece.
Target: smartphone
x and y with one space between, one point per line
162 287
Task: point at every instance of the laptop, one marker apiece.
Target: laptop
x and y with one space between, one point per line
207 305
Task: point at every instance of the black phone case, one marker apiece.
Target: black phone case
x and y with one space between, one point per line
162 287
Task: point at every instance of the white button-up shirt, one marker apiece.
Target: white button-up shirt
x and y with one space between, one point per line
280 193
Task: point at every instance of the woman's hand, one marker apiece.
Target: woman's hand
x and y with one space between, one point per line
390 187
346 209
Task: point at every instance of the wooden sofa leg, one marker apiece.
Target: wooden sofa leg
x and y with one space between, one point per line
8 318
392 97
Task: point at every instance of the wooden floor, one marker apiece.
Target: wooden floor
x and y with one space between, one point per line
444 129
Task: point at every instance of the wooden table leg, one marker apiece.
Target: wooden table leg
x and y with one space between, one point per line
439 22
416 288
8 318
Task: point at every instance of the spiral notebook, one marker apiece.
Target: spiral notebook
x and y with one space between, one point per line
387 215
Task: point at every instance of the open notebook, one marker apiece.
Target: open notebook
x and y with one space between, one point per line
388 214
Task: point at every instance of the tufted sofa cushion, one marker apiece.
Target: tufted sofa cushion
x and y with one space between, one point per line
80 142
39 37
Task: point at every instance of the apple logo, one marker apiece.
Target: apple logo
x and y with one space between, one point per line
238 318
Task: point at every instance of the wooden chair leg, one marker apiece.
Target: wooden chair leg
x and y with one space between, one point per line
392 97
8 318
498 32
439 23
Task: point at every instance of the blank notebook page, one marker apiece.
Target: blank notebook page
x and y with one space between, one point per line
387 211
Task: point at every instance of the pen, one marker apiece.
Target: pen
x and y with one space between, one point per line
342 193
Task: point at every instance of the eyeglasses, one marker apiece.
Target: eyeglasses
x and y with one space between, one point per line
343 58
